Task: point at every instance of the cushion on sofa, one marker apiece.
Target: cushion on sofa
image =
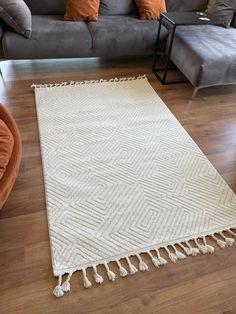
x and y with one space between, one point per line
150 9
8 179
52 37
6 147
127 36
186 5
221 12
199 52
57 7
17 15
86 10
117 7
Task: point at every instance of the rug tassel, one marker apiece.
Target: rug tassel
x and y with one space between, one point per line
160 259
66 284
110 274
233 233
179 254
132 268
172 256
71 83
194 251
187 250
87 283
98 278
122 270
209 248
228 241
222 244
142 265
58 291
202 248
154 259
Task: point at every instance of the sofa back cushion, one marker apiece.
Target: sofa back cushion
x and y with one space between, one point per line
47 6
117 7
186 5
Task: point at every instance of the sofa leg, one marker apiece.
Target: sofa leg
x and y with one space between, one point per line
194 92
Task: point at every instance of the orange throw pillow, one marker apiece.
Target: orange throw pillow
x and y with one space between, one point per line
151 9
6 147
81 10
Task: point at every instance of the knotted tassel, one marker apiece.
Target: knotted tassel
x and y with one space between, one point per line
229 241
132 268
202 248
110 274
179 254
98 278
209 248
122 270
87 283
66 284
58 291
186 249
194 251
171 255
233 233
222 244
154 259
161 259
142 265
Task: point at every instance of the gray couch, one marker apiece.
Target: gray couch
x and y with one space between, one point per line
206 55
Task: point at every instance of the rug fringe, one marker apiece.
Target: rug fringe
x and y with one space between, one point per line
173 251
75 83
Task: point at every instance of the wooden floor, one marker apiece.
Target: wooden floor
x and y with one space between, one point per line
202 284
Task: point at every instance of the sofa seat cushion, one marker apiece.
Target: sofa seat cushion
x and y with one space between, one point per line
52 37
6 147
206 54
124 36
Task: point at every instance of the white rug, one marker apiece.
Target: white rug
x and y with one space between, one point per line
122 178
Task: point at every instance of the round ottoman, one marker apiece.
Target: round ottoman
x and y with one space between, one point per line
10 153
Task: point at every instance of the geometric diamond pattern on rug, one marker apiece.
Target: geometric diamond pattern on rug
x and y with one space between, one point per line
122 175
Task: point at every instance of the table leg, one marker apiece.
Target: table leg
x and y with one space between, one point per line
157 44
169 54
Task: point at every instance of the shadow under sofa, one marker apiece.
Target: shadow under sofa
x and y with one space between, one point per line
120 33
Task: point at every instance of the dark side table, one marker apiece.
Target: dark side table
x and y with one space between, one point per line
174 19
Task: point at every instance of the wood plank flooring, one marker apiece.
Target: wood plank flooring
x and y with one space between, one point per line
197 285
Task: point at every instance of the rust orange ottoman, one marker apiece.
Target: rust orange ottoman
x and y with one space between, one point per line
10 153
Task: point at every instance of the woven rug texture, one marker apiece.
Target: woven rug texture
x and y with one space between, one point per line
123 177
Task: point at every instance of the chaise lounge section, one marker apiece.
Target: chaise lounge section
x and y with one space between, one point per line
206 55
